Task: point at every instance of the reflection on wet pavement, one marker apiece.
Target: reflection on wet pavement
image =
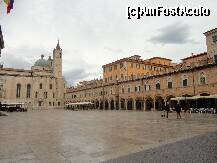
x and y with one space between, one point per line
91 136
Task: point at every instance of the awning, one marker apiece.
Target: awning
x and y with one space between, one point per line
80 103
11 103
194 97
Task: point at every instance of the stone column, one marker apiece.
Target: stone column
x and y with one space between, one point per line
144 103
134 104
119 103
154 104
103 104
99 105
109 105
125 104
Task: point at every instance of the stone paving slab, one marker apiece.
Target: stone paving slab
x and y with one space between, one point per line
199 149
92 136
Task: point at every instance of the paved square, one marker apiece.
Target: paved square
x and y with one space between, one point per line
91 136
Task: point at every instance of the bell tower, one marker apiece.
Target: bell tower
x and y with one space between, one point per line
57 61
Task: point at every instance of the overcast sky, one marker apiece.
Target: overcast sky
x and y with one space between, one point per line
96 32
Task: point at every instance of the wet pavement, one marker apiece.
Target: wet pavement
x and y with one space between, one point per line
55 136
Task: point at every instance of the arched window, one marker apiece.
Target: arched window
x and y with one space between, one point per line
202 78
184 81
28 93
158 85
40 85
18 90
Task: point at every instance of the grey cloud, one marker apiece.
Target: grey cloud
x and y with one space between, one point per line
113 50
75 75
176 33
21 57
72 76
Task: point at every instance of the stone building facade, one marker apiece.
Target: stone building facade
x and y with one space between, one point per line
41 87
195 76
134 67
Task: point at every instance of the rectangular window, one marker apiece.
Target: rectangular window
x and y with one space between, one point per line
122 90
135 89
170 85
36 94
128 89
51 86
185 82
28 93
18 90
45 95
40 86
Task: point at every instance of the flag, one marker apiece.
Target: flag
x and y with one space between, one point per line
10 5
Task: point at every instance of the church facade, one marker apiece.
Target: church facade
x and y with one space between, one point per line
41 87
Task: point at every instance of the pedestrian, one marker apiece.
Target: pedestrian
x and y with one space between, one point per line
163 109
167 109
178 110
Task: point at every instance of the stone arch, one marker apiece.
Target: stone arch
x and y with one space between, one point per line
139 104
101 105
159 103
96 104
149 103
106 104
112 104
130 104
122 104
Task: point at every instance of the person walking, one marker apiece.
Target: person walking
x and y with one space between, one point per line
163 110
167 109
178 110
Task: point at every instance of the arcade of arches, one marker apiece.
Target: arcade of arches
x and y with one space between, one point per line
139 104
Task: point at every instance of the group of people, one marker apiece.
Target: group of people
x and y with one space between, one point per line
166 109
